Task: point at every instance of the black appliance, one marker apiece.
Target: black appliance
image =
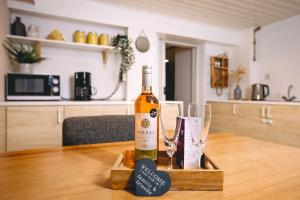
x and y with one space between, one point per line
260 91
32 87
83 88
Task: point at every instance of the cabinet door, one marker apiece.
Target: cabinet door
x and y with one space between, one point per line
74 111
223 119
249 121
2 130
34 127
285 128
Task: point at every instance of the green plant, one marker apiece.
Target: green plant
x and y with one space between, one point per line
122 42
22 53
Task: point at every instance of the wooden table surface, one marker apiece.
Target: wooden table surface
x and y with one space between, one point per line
253 169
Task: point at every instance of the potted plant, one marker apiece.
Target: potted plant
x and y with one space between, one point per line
24 55
122 42
237 75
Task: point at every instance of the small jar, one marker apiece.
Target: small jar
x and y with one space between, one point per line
79 37
92 38
104 39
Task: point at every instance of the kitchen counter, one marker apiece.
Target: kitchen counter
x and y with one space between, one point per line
70 103
253 169
266 102
272 121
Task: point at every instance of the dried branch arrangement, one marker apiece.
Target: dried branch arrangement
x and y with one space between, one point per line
238 74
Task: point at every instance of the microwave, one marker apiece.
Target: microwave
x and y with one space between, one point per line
31 87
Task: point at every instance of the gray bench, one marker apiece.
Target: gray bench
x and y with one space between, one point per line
98 129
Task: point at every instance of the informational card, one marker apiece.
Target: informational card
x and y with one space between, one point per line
186 156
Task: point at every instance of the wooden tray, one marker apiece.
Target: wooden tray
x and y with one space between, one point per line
209 178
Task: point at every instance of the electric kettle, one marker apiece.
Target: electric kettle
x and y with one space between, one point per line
260 91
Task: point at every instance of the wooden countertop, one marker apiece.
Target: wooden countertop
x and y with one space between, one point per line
253 169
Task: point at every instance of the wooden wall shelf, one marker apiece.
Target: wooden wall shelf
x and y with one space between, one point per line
63 44
219 72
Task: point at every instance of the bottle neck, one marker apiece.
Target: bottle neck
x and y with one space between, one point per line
147 89
147 82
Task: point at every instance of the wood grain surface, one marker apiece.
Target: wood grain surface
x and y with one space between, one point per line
284 129
33 127
2 130
77 111
209 178
253 169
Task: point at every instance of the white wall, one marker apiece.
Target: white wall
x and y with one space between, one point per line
151 58
243 56
4 29
278 54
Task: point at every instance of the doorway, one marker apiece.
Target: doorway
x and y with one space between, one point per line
179 74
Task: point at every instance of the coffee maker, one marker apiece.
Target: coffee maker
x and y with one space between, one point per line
83 88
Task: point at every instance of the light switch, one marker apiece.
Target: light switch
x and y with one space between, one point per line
267 77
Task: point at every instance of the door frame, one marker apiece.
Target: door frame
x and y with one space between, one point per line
198 88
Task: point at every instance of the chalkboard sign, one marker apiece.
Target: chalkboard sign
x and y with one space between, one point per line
148 181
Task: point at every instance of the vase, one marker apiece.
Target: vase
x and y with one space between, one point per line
25 68
33 31
237 95
18 28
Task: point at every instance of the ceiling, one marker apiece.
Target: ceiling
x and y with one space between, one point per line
235 14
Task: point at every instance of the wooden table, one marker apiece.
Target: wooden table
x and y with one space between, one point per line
253 169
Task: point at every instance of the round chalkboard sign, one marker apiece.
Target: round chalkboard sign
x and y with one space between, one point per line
142 43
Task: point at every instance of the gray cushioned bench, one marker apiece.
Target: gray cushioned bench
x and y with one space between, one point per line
98 129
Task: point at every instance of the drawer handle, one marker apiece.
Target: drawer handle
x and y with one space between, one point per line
234 109
264 120
59 116
269 115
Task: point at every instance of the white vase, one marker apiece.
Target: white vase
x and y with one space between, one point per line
25 68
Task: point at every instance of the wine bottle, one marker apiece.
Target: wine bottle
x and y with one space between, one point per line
146 120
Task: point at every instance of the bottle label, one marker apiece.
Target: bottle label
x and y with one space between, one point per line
146 130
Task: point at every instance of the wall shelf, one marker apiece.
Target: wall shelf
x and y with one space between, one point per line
219 72
63 44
